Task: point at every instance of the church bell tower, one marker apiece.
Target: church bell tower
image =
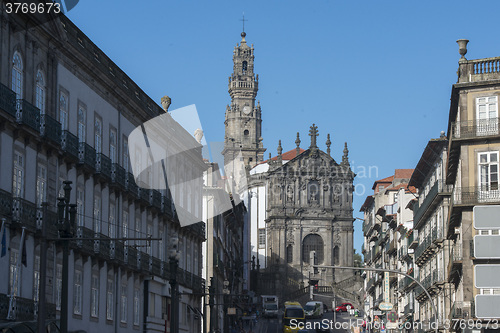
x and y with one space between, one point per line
243 121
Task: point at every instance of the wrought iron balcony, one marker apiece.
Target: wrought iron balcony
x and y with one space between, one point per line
156 199
48 217
131 185
70 145
5 204
439 188
8 100
456 310
468 196
197 228
86 156
477 128
28 114
24 213
50 129
24 309
103 166
118 175
145 196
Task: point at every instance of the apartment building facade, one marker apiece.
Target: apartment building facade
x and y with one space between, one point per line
472 170
433 256
66 111
386 221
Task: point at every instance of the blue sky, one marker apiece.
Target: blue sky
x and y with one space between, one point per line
377 74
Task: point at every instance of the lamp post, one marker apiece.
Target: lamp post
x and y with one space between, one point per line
66 222
174 257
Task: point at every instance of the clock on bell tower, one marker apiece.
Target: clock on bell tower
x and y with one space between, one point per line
243 121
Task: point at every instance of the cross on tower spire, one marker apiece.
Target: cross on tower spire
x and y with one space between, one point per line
243 20
313 133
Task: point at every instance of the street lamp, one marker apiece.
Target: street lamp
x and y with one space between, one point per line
65 225
174 256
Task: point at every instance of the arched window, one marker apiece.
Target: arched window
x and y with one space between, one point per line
313 242
17 75
336 255
289 254
40 92
244 66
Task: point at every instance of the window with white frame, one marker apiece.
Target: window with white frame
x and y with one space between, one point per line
36 278
94 295
40 92
18 175
14 271
17 75
126 159
488 171
262 238
80 206
123 304
149 231
138 227
98 135
136 306
486 107
77 292
63 110
41 184
112 145
112 219
58 286
487 115
161 249
109 299
97 213
125 226
82 121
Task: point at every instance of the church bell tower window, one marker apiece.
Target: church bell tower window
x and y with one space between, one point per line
244 67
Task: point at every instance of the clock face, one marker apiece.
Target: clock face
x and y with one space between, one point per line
246 109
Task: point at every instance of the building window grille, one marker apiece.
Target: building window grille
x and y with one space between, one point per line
313 242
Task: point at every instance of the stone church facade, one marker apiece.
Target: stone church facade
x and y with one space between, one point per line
298 201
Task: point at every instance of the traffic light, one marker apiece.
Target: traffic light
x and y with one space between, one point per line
316 287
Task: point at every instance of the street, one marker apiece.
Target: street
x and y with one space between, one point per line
341 325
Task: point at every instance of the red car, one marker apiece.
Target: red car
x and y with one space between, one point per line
343 307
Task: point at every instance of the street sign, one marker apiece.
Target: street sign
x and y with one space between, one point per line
486 276
385 306
486 217
386 287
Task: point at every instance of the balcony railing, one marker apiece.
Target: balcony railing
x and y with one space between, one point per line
28 114
475 128
117 175
50 129
69 144
86 155
198 229
103 166
156 199
24 310
24 213
5 204
438 188
475 195
131 185
8 100
457 310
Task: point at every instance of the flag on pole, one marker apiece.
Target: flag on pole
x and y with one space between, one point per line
4 241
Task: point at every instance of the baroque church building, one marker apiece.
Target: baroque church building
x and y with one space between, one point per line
298 202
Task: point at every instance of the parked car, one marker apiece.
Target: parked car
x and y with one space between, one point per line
343 307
